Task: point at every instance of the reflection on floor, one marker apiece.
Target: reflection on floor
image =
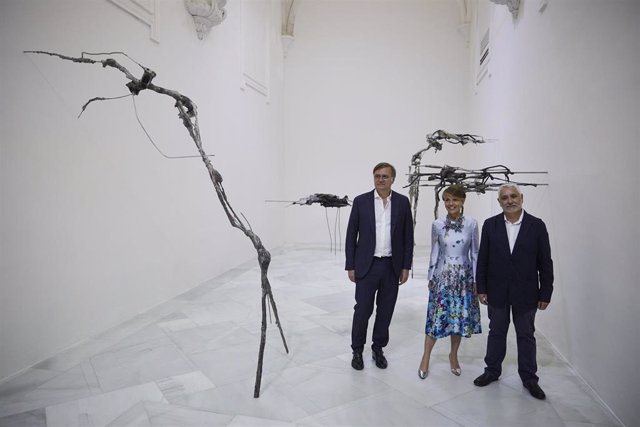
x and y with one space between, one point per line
192 361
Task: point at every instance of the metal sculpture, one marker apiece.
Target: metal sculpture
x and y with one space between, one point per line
327 201
474 180
436 141
324 200
188 114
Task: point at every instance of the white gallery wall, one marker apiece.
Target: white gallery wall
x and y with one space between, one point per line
364 83
563 95
96 226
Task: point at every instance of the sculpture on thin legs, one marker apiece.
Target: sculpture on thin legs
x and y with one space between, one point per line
435 141
188 114
327 201
474 180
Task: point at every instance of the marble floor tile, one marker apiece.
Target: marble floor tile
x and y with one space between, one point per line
242 421
34 418
192 362
192 382
102 409
124 366
388 408
316 390
70 385
338 302
211 337
237 363
237 399
154 414
26 381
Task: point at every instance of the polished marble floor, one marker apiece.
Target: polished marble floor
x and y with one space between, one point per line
192 362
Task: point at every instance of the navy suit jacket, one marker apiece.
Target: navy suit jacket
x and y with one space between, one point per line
521 278
361 234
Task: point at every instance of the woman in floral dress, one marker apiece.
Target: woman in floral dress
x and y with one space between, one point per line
453 308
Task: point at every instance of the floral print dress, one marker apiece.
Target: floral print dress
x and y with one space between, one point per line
453 308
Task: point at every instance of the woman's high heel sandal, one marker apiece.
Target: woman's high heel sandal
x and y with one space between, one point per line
455 371
422 374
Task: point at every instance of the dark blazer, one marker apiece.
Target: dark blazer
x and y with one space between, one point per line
521 278
361 234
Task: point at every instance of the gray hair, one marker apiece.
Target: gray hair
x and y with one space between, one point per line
509 185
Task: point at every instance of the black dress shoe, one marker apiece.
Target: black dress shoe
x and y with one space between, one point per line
485 379
535 390
378 357
357 363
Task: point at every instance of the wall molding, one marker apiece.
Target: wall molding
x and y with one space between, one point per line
513 5
256 40
143 10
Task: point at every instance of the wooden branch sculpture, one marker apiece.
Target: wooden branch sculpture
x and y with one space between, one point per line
187 112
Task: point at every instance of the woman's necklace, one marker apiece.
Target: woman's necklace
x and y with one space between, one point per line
455 225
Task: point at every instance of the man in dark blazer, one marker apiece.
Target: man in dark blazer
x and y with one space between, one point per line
514 276
379 253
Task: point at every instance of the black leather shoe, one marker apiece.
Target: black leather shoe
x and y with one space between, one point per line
535 390
485 379
357 363
378 357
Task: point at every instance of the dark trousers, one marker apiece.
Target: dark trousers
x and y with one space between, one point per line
523 321
380 285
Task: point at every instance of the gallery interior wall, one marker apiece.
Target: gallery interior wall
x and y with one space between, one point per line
97 226
364 83
563 95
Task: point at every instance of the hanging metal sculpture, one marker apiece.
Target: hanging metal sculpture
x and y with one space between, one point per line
324 200
188 114
474 180
327 201
436 141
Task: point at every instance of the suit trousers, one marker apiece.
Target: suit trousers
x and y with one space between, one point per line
380 285
523 321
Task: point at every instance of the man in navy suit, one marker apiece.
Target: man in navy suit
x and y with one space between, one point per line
379 253
514 276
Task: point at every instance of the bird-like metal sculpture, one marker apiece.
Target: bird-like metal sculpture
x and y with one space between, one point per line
188 114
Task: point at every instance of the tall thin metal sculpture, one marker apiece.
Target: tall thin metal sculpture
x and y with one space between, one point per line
187 112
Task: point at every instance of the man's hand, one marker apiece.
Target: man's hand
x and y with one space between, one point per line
404 276
482 298
352 275
542 305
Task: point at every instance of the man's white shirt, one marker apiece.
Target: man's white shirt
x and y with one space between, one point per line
383 226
